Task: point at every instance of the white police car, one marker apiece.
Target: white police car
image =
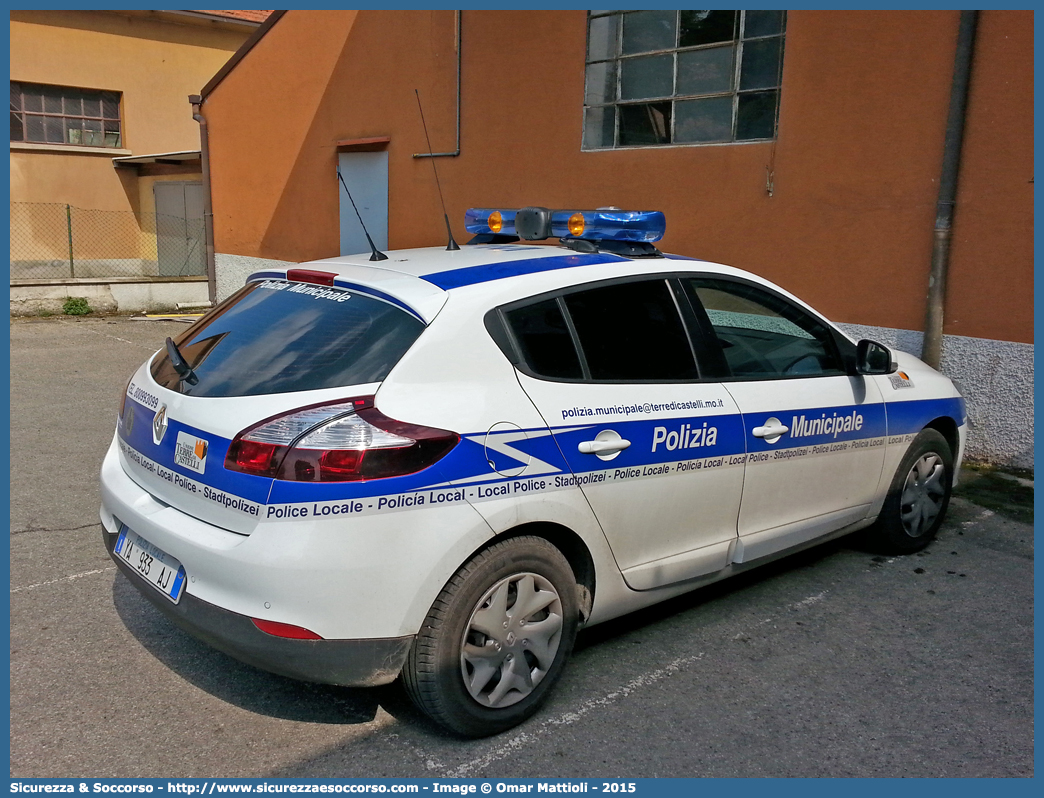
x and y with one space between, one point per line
443 464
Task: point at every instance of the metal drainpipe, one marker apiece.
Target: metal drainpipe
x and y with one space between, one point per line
931 352
456 152
208 209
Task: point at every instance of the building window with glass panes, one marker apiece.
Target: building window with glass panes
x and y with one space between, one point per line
62 115
682 77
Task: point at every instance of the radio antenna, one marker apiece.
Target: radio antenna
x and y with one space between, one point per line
377 254
452 245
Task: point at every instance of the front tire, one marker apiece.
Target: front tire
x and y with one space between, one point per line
496 639
918 497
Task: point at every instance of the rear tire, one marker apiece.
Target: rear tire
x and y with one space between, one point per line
917 499
496 639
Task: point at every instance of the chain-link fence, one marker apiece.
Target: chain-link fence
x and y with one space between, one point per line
55 241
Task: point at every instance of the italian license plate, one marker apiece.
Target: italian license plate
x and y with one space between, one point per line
154 565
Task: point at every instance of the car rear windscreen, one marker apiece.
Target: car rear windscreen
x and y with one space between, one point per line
277 336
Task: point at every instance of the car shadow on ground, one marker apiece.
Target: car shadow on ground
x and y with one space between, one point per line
701 597
1008 493
234 682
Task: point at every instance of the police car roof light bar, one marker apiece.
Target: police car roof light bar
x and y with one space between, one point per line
537 224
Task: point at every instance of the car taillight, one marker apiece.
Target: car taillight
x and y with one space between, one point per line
340 442
256 457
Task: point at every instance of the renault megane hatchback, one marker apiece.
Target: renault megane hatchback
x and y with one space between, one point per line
441 465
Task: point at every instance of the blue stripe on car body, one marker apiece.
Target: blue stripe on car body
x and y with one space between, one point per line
469 460
912 415
871 420
245 486
646 450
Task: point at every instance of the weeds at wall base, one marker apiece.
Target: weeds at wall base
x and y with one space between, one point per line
76 306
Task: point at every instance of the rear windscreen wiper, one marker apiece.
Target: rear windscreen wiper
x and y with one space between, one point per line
180 364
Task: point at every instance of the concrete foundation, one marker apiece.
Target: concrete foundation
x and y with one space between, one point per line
232 271
37 270
107 296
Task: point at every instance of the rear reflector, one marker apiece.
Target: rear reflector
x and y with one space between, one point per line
285 630
310 276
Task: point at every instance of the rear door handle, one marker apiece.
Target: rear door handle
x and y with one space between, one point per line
607 445
603 447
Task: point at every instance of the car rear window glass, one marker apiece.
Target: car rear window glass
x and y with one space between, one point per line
542 335
632 331
277 336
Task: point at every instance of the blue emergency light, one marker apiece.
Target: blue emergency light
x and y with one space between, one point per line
537 224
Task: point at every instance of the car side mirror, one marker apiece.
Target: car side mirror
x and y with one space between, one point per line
874 358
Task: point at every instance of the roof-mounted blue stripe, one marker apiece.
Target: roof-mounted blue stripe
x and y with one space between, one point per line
365 290
456 278
258 276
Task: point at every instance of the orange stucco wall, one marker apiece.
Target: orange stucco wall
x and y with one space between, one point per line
855 168
991 268
155 65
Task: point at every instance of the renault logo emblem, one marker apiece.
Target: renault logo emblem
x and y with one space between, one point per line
159 424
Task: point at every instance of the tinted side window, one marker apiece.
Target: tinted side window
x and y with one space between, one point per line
544 339
632 331
762 335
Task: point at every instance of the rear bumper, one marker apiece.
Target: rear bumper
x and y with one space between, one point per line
350 663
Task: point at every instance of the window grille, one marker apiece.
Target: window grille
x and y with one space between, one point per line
682 77
63 115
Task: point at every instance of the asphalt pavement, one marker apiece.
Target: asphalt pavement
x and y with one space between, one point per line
833 662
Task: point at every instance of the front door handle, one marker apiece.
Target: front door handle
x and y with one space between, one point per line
772 431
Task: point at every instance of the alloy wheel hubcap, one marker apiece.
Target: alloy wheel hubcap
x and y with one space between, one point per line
511 640
923 495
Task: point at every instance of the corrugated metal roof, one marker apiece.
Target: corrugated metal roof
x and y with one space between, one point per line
246 16
162 157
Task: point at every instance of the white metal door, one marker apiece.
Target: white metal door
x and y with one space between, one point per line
366 176
181 247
